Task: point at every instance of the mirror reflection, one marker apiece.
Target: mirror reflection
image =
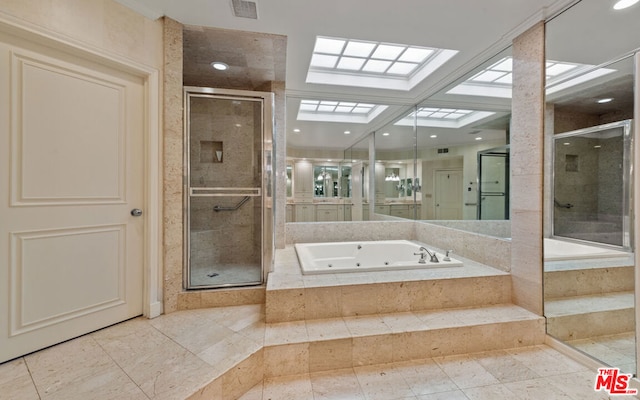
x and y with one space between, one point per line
589 288
427 157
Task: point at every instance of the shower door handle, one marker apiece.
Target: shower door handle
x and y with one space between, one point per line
136 212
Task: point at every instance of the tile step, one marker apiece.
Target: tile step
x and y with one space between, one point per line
333 343
297 302
587 281
582 317
301 347
574 305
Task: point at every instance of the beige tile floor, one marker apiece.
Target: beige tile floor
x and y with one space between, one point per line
615 350
170 357
536 373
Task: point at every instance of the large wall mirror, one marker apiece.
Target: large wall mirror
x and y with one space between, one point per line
443 160
589 265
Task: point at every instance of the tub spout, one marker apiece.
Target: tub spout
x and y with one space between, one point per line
423 255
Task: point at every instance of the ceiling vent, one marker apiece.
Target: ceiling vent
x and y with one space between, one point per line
443 150
245 9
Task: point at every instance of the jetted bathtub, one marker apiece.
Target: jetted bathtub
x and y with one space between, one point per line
559 250
364 256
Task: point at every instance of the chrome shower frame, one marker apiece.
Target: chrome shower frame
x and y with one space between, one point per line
266 191
627 180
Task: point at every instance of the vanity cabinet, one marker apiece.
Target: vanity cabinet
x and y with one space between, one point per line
382 209
303 181
412 211
289 213
326 212
305 213
401 210
344 212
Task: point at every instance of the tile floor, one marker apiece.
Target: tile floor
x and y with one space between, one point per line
535 373
618 350
218 275
173 355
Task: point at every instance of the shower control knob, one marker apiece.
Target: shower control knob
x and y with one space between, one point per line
136 212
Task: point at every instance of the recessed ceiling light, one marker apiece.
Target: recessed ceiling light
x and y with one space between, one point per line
605 100
566 143
220 66
433 136
347 132
385 134
478 138
296 130
622 4
238 125
597 146
328 160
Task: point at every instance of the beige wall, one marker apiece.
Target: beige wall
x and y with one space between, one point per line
103 24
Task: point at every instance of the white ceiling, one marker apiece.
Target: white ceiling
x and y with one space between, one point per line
478 30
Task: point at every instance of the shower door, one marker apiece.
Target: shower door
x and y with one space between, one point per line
493 184
228 217
591 184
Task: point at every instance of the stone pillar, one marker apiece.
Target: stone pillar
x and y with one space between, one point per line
527 146
173 143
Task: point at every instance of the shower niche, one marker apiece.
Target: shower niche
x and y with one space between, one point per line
228 213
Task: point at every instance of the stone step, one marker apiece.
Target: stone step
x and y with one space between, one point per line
569 280
580 317
325 344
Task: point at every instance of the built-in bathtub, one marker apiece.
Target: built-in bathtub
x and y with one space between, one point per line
560 250
365 256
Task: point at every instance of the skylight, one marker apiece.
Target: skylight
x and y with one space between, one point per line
338 111
443 117
362 63
496 80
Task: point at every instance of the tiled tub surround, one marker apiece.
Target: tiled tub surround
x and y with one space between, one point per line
292 296
489 250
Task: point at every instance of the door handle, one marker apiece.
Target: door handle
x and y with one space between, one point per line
136 212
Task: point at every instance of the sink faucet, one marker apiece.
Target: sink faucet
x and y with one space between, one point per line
423 255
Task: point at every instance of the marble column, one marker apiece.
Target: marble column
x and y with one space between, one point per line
527 147
172 159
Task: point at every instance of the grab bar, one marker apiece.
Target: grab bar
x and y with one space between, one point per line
223 191
218 208
557 203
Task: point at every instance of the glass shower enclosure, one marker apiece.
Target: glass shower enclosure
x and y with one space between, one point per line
228 187
493 184
592 184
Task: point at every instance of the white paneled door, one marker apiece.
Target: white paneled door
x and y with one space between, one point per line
71 172
448 194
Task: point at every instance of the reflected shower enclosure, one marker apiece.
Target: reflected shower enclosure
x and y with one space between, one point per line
591 184
493 184
228 213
